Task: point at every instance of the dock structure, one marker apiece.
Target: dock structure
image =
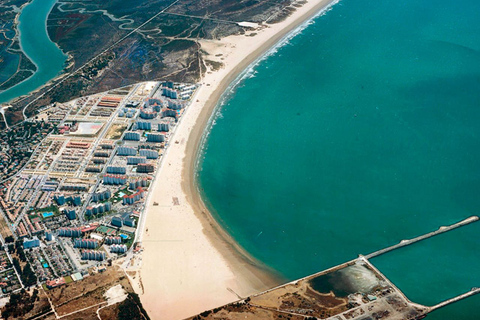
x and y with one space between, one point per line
442 304
440 230
364 260
387 301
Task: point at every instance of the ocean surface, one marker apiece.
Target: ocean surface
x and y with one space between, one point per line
36 45
360 131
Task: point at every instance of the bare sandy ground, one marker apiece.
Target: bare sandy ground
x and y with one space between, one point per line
189 263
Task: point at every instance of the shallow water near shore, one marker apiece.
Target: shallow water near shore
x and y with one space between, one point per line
36 44
361 132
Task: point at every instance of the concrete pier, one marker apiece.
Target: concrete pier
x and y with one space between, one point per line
441 230
442 304
371 266
389 302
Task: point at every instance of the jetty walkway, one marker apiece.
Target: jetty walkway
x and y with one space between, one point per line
442 304
441 230
391 303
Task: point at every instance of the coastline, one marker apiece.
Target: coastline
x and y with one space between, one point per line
190 263
60 74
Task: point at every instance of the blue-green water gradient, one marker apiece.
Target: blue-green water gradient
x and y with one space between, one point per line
360 132
38 47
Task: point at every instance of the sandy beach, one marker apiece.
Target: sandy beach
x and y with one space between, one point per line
189 264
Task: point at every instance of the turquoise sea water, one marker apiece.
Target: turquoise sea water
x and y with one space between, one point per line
361 131
36 44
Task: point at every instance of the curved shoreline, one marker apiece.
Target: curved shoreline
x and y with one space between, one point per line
189 262
220 238
35 63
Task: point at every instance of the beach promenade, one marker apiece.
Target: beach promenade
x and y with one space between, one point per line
189 263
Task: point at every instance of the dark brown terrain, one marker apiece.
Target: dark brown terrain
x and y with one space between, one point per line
165 48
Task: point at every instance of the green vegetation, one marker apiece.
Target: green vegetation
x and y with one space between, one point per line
130 239
116 197
19 250
18 143
214 65
27 275
19 305
68 279
52 208
132 309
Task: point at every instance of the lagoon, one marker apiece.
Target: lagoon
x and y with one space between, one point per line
37 46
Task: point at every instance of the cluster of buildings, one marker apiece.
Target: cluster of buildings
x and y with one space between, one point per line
93 255
99 208
74 200
101 196
118 248
134 197
113 240
119 222
86 243
114 179
70 232
86 176
31 243
18 143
